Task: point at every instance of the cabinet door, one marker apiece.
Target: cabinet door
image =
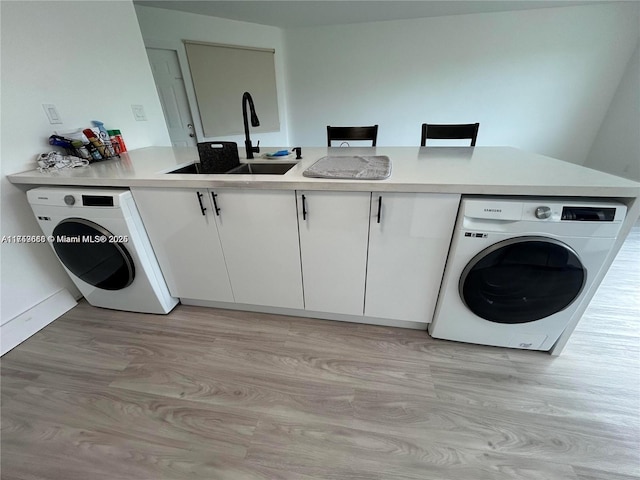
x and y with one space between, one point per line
409 241
259 234
334 227
185 240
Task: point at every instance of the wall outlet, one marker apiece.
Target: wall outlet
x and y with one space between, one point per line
138 113
52 113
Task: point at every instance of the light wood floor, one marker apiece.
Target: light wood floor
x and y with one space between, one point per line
213 394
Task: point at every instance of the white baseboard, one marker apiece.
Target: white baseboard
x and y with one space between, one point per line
339 317
19 328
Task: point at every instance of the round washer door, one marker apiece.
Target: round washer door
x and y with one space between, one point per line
102 264
522 280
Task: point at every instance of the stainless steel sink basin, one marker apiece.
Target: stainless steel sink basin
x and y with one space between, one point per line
262 168
244 168
193 168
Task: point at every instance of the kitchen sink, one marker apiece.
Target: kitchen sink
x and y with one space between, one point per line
262 168
243 168
193 168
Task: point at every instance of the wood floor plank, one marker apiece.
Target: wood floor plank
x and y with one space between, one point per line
592 474
313 364
141 417
532 394
75 452
256 391
507 432
324 450
72 365
387 344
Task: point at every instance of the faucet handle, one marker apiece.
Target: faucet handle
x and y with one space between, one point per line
256 149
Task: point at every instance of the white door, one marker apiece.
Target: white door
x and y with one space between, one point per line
408 246
184 237
334 228
173 96
259 234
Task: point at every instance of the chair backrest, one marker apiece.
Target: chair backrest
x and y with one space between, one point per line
352 133
450 131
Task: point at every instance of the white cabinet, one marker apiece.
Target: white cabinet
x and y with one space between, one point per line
379 255
184 236
334 228
259 234
408 245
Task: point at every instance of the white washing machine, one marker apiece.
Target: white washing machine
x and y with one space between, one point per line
99 237
518 269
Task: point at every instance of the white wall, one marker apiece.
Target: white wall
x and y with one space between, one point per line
540 80
166 29
73 55
616 148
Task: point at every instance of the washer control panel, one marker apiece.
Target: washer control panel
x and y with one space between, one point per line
560 216
78 198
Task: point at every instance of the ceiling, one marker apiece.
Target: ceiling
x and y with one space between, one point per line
306 13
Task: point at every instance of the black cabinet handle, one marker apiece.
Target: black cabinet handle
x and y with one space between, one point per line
215 204
304 207
202 207
379 207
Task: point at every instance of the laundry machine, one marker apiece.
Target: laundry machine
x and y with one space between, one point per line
99 237
519 268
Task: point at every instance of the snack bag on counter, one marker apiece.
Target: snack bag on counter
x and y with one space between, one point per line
117 141
51 161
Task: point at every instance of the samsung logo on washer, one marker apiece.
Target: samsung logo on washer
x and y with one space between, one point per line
493 210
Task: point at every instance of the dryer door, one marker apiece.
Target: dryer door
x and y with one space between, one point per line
522 280
80 247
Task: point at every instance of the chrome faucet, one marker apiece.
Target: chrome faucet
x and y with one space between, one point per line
246 97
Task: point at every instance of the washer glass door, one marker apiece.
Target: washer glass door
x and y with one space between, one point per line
99 263
522 280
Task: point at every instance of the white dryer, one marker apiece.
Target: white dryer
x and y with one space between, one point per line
518 269
99 237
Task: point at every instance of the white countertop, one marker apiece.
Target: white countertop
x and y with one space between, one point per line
464 170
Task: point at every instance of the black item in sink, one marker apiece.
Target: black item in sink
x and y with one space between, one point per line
217 157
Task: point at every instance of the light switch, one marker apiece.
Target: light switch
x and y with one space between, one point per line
52 113
138 113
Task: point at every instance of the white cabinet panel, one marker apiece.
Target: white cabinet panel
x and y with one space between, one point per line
259 234
334 228
185 241
408 247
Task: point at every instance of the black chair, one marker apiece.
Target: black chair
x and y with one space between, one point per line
448 132
352 133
